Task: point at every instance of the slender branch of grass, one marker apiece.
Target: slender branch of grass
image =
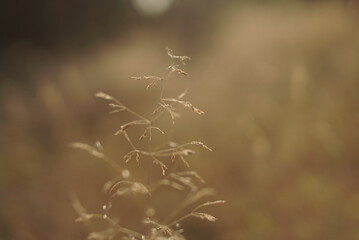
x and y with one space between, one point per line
137 115
179 220
130 141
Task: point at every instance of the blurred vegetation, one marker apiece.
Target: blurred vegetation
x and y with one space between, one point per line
278 82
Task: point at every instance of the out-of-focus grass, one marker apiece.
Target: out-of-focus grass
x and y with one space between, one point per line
280 92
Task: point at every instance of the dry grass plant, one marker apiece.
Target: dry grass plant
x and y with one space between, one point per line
165 155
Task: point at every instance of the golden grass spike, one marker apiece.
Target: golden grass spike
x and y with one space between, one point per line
183 159
147 78
204 216
175 69
201 144
185 104
182 59
161 164
209 204
154 80
129 155
104 96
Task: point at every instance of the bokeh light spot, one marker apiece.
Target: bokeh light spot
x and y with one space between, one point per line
152 8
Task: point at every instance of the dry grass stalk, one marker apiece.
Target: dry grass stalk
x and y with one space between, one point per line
162 155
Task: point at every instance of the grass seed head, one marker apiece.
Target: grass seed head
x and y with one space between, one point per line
122 185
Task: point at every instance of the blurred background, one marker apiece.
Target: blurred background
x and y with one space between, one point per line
278 81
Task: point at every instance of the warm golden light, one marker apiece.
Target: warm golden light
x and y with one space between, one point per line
152 7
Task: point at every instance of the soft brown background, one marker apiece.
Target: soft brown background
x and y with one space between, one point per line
278 81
